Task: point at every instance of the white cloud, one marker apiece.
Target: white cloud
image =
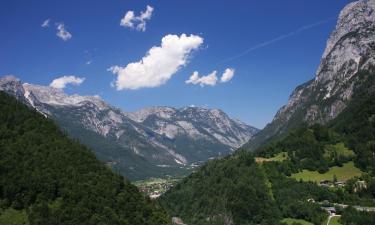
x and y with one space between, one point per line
210 79
89 62
61 82
227 75
62 32
129 19
45 23
159 64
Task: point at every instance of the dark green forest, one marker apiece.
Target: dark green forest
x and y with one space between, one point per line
51 179
221 192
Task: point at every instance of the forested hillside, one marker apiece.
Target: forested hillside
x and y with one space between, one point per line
46 178
319 147
227 191
268 191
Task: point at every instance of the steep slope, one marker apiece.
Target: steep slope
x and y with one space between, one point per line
228 191
93 114
197 133
235 190
141 144
46 178
350 49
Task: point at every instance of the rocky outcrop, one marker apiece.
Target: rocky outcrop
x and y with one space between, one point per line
350 49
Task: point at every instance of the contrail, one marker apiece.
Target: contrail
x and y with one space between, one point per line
279 38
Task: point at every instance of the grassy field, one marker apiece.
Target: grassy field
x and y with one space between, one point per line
278 157
347 171
290 221
335 221
13 217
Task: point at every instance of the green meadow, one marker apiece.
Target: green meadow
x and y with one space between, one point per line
347 171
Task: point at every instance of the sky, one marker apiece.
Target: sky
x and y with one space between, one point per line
244 57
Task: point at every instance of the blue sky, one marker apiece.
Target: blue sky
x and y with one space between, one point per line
263 78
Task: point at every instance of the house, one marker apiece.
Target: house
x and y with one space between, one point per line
325 183
330 210
340 183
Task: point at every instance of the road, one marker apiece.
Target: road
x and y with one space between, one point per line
359 208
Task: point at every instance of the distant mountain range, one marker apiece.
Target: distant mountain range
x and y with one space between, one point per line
154 141
350 50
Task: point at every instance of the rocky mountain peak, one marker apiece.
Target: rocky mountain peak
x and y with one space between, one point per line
356 15
12 85
159 111
350 49
57 97
350 46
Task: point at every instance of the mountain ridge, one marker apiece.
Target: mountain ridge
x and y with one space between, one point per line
350 49
181 138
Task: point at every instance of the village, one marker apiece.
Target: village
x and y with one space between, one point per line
154 187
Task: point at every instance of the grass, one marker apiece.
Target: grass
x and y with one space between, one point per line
338 149
13 217
278 157
347 171
290 221
335 221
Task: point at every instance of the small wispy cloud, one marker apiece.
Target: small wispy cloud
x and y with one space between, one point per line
89 62
277 39
63 81
210 79
137 22
62 32
45 23
227 75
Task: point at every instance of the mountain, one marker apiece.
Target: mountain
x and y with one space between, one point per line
350 50
201 132
327 126
244 189
156 141
47 178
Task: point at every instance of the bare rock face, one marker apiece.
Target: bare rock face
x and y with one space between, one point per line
350 50
12 86
195 123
